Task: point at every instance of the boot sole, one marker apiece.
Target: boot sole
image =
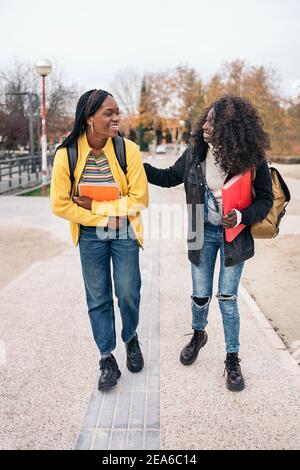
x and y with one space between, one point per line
134 370
189 363
109 385
236 388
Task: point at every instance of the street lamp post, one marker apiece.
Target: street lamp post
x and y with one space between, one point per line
43 68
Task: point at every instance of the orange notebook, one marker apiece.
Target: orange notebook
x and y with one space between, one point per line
100 191
236 194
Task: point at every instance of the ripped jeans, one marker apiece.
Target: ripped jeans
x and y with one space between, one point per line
229 278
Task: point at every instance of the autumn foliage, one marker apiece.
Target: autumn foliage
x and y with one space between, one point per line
168 97
153 106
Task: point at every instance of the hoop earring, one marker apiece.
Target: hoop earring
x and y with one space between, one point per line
92 127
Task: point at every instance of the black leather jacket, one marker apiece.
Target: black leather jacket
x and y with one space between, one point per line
187 170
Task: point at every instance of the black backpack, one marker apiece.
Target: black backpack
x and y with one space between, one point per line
119 148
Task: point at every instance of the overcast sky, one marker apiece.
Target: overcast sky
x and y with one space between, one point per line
91 40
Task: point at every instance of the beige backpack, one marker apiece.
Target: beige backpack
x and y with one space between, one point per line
269 227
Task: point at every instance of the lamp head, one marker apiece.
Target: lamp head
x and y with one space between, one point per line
43 67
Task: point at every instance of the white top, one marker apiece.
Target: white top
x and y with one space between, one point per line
214 176
215 180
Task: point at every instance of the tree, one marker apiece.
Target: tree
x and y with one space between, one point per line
292 128
61 100
15 112
172 95
126 88
147 113
176 94
214 89
260 86
133 135
147 104
190 94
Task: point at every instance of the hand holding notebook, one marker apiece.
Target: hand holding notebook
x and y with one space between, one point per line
100 191
236 194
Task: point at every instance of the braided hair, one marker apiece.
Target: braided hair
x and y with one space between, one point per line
87 105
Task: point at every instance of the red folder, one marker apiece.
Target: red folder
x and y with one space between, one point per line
236 194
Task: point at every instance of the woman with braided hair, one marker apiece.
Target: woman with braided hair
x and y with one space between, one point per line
229 140
106 231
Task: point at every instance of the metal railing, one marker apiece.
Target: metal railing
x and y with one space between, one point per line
18 172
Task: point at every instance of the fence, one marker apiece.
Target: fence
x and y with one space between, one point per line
22 172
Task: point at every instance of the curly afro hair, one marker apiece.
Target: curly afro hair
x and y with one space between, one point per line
239 140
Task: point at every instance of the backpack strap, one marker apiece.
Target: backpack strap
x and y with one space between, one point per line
283 184
120 151
72 150
287 197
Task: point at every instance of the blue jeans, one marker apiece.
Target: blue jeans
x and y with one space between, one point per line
98 246
229 278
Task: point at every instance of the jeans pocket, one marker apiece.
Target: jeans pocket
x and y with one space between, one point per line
87 233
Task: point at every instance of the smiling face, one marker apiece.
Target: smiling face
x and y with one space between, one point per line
208 127
105 121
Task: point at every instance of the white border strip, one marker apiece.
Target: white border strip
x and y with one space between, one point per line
284 356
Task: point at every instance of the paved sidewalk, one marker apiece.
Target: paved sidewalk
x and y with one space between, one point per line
48 385
197 411
49 357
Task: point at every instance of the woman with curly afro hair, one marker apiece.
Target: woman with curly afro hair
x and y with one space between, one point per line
229 139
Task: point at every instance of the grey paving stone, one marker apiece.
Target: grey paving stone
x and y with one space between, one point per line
122 410
101 439
141 379
84 440
92 410
135 440
144 329
152 440
125 383
153 382
108 404
155 324
118 440
154 353
152 419
138 410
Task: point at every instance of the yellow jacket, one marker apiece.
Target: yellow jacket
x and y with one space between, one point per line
134 189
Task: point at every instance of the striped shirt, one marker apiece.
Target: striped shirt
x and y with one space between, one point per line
97 170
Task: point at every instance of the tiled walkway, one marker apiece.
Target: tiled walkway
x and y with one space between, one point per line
127 417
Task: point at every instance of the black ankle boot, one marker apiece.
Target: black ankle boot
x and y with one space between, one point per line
110 373
235 381
190 352
135 361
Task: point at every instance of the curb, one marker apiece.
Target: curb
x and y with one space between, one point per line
290 160
284 356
